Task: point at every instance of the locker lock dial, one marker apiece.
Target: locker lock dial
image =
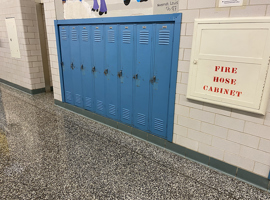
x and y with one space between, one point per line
93 69
106 71
152 80
119 73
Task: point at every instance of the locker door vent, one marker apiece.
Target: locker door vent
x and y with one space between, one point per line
64 34
74 35
100 105
78 99
111 37
158 124
141 119
112 109
88 102
85 35
97 36
144 37
164 37
126 37
68 96
126 114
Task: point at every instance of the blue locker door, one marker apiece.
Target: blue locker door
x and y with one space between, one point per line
161 78
76 65
142 76
86 67
98 59
67 71
111 69
126 72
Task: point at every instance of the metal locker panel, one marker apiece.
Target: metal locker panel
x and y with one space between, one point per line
111 69
142 76
86 67
65 64
98 67
126 72
76 65
161 78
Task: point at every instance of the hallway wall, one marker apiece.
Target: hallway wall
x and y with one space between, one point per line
26 71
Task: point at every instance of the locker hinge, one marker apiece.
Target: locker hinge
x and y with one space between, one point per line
119 73
81 67
152 80
135 76
106 71
93 69
62 64
72 66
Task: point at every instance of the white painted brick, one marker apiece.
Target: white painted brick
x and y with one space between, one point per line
252 2
217 109
177 97
199 136
214 13
186 142
181 54
226 145
182 110
175 119
242 138
230 123
183 29
268 10
248 11
261 169
254 154
266 120
265 145
189 15
189 103
239 161
214 130
186 42
256 118
193 4
181 88
183 66
202 115
180 130
189 123
178 80
211 151
189 28
184 78
257 130
187 54
182 4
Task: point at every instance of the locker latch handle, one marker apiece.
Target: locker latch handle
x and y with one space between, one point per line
152 80
106 71
81 67
135 76
72 66
119 73
93 69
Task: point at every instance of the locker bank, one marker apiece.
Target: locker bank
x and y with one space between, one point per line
123 69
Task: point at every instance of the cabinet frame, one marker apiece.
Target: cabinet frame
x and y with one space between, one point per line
170 18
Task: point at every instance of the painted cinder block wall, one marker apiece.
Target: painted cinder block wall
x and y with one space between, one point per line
26 71
235 137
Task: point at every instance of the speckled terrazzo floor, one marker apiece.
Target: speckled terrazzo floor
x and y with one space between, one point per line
50 153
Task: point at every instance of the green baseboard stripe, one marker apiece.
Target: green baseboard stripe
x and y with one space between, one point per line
254 179
35 91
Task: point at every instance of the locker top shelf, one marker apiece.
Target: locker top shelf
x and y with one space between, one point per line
175 18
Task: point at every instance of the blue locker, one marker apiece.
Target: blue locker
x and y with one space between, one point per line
144 55
86 67
67 71
76 66
125 74
98 68
160 80
110 71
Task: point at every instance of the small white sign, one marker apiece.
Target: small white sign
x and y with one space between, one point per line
229 3
166 6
